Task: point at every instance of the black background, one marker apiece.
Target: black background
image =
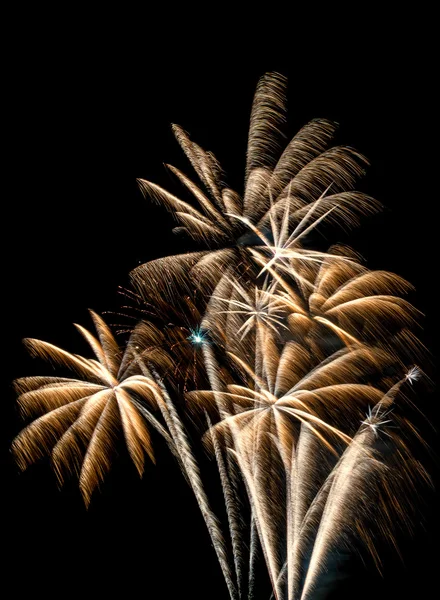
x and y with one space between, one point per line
75 224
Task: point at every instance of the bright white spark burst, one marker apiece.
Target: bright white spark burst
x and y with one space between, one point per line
373 421
413 374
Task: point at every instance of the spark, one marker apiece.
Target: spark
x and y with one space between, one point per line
373 420
198 337
413 374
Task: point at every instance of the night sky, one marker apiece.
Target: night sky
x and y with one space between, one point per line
80 225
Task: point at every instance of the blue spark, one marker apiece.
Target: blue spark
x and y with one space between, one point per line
197 337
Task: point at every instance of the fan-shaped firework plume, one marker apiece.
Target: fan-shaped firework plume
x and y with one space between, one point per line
83 415
291 364
287 193
344 296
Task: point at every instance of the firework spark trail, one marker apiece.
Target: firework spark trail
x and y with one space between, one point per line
256 311
253 548
268 542
301 495
351 474
227 472
231 505
357 470
193 474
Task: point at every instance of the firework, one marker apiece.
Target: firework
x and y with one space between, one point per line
289 364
